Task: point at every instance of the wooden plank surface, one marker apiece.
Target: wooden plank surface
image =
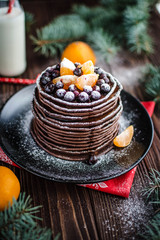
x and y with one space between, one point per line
74 211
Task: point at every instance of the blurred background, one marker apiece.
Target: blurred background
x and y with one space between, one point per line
120 36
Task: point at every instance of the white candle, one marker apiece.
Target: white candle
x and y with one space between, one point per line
12 42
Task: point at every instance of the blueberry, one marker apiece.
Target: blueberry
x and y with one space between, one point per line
106 79
69 96
77 64
102 75
95 95
60 93
49 88
87 89
92 160
105 88
77 71
76 93
50 70
44 80
55 73
96 88
83 97
58 66
98 70
72 88
100 82
59 84
46 74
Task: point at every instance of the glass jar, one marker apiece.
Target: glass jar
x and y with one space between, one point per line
12 39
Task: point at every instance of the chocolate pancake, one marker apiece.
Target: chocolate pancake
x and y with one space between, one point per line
72 130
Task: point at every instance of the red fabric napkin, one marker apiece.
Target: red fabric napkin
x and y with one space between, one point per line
121 185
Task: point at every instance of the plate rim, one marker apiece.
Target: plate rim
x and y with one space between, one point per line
78 181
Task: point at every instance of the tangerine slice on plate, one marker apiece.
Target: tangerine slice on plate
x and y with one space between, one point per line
88 67
124 139
67 67
88 79
67 80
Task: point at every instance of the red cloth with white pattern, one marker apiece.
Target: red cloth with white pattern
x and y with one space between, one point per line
121 185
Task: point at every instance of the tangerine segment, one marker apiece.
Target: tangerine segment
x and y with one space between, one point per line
88 67
66 71
124 139
67 80
89 79
67 67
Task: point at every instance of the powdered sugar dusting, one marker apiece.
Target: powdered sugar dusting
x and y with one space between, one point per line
26 153
133 213
42 163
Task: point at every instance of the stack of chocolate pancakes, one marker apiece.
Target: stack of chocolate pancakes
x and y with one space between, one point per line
76 131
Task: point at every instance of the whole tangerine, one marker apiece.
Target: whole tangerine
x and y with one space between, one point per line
79 52
9 187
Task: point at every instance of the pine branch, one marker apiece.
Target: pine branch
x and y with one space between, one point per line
138 40
123 20
120 5
96 16
29 21
54 36
151 80
151 71
103 44
18 221
136 27
153 229
153 189
153 89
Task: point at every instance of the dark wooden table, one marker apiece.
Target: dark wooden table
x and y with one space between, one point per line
74 211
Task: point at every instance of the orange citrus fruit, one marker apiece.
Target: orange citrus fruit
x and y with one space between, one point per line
124 139
88 67
88 79
67 67
79 52
9 187
67 80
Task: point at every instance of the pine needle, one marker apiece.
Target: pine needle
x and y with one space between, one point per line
95 16
153 189
103 44
29 20
151 81
18 221
123 20
52 38
152 229
136 27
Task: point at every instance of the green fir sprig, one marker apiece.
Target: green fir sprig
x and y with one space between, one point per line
29 21
153 188
18 221
123 21
151 81
103 44
152 229
152 192
52 38
136 28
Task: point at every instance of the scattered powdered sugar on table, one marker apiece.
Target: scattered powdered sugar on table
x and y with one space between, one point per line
132 213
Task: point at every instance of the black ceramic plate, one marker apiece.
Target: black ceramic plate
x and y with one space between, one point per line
17 143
